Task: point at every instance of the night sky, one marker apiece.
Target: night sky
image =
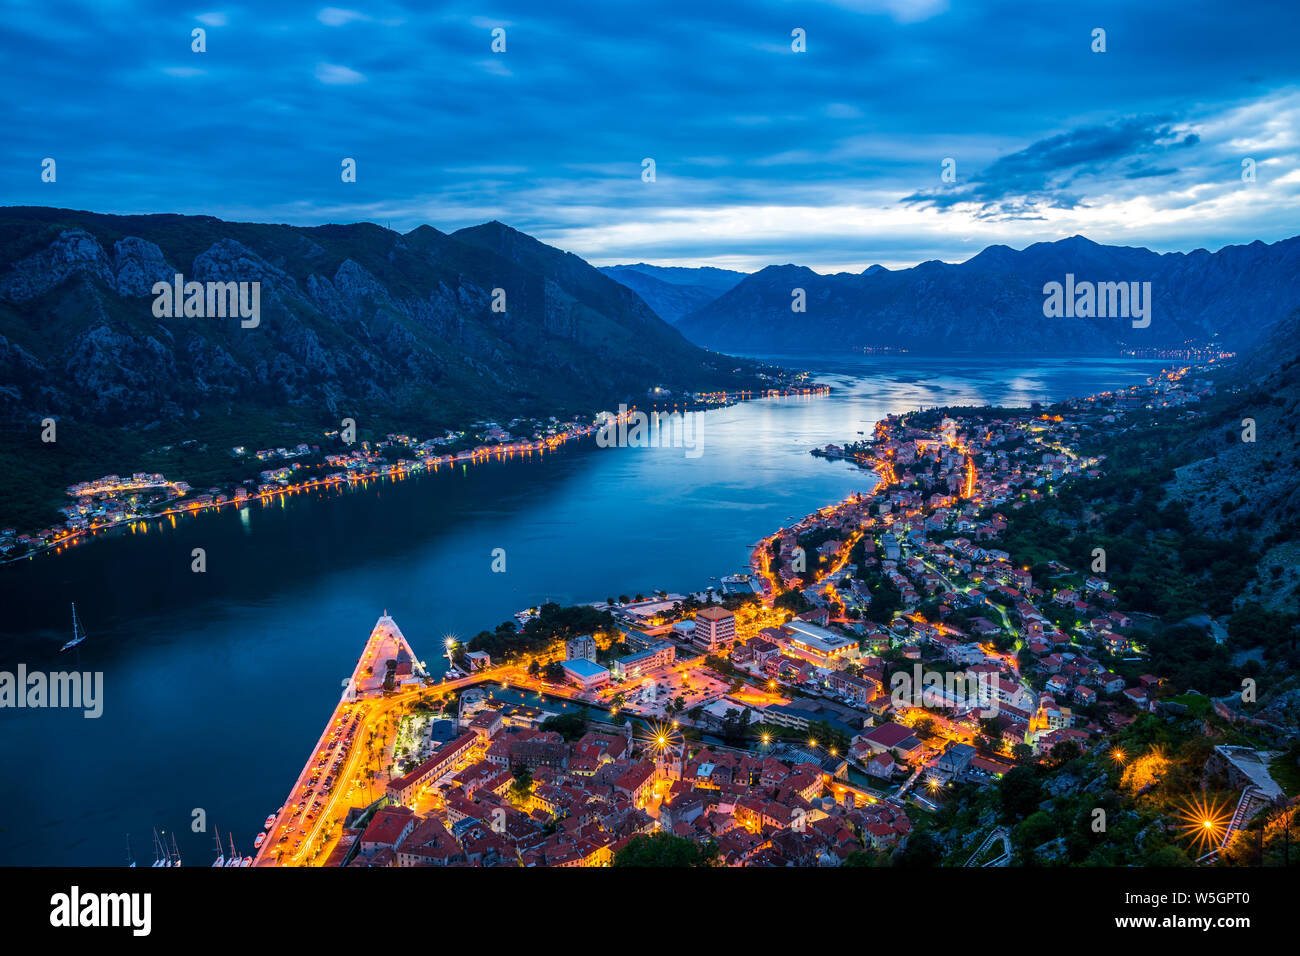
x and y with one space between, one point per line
830 158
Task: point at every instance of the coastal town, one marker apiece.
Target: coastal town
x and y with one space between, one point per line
811 710
337 458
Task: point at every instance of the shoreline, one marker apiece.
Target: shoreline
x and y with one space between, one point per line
405 468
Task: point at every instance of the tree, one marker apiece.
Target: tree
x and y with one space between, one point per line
1020 793
922 851
659 850
868 857
568 726
553 673
1064 752
1036 829
521 788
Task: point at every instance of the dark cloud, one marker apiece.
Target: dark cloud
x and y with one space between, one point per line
551 134
1039 177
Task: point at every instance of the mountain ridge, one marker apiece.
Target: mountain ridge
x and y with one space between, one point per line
994 300
674 291
354 315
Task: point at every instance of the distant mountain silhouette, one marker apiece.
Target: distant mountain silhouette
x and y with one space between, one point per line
674 291
995 301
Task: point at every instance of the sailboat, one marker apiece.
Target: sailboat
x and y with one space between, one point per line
78 632
234 856
159 854
130 860
221 852
177 851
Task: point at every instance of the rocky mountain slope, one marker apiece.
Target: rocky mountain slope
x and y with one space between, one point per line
1233 486
354 318
994 301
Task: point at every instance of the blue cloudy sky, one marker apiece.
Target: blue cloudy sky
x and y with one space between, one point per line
829 158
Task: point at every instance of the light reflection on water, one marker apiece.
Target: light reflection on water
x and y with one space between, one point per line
216 684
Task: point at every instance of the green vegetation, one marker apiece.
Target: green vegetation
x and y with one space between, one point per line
1285 769
121 381
1156 560
521 787
569 726
663 849
1119 806
553 623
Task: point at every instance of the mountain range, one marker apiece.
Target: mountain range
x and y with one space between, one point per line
995 301
674 291
355 319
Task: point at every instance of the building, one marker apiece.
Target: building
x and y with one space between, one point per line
585 673
634 665
580 648
892 738
540 750
404 789
389 827
955 759
637 782
818 645
715 630
1013 694
882 765
858 690
486 725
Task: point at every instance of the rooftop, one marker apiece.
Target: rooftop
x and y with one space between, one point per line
585 668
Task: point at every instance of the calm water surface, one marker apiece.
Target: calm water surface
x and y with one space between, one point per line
216 685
